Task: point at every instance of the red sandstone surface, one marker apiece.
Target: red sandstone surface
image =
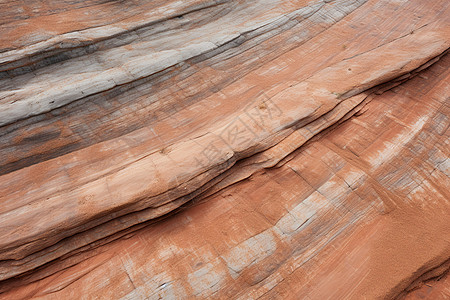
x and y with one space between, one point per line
224 149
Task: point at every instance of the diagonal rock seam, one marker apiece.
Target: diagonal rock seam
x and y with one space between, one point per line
338 171
9 165
213 185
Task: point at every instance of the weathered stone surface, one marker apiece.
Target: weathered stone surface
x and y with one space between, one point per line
303 146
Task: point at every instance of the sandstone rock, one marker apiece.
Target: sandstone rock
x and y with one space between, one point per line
273 149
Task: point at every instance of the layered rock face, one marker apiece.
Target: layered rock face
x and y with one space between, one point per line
224 149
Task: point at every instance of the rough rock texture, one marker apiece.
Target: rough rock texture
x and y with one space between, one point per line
224 149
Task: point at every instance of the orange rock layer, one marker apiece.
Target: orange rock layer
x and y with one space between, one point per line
225 149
